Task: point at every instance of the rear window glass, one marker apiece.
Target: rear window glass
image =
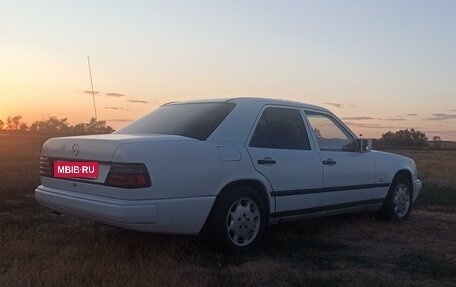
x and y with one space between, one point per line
195 120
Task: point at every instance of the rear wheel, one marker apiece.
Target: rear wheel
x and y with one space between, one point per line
239 219
398 203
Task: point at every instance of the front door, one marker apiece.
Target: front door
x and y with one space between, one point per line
349 175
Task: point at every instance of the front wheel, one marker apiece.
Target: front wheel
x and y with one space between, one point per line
398 202
239 219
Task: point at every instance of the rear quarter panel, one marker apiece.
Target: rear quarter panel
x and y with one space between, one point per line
189 169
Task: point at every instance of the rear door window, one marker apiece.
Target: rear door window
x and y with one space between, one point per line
280 128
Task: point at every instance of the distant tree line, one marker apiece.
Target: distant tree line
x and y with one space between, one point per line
405 137
53 126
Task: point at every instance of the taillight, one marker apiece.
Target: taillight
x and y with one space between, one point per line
45 167
128 175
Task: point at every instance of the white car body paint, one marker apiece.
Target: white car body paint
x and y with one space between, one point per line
187 174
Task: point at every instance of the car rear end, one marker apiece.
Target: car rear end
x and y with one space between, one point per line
147 179
122 194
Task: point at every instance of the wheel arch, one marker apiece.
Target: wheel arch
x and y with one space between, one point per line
404 172
408 175
253 183
386 210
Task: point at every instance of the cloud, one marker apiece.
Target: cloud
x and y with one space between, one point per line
117 95
362 118
138 101
411 115
376 126
90 92
370 126
441 132
334 105
392 119
117 108
120 120
442 117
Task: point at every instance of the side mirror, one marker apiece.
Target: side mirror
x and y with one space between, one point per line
364 145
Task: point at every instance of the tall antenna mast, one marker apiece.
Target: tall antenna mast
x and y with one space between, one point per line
93 93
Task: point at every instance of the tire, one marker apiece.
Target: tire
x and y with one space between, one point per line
398 203
239 219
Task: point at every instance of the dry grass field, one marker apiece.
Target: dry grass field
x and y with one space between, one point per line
39 248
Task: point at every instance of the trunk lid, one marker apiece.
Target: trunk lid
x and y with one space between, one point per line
98 148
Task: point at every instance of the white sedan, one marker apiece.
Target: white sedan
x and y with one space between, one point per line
228 166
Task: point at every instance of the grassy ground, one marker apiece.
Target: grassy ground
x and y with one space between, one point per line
39 248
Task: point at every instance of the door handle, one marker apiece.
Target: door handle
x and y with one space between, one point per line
266 161
329 162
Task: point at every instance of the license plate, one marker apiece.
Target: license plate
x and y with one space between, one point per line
76 169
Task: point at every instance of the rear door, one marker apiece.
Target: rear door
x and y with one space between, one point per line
282 151
349 175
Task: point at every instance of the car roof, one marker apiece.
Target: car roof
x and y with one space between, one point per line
253 101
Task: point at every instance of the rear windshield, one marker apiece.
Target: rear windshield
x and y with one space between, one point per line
195 120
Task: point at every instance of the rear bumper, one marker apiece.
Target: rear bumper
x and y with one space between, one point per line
176 215
417 186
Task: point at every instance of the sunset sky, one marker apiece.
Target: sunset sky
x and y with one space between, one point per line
379 65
